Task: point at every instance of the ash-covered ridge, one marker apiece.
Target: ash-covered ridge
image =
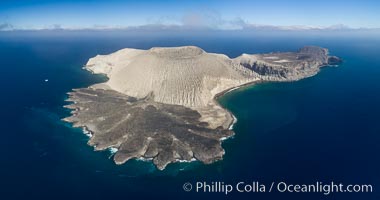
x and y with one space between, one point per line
160 103
288 66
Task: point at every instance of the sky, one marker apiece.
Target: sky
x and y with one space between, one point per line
218 14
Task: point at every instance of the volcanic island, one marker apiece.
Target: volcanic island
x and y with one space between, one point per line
160 104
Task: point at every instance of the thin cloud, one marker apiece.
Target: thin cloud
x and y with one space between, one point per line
211 20
6 27
200 20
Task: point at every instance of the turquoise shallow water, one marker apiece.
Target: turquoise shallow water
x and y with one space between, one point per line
323 128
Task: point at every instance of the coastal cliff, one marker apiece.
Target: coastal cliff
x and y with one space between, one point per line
160 103
288 66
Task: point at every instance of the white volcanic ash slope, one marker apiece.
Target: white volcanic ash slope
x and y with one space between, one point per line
185 76
182 75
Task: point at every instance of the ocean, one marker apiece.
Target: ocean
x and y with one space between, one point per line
320 129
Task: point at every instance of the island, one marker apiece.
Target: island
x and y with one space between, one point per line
160 104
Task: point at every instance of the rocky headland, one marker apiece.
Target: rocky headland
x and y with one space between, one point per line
160 103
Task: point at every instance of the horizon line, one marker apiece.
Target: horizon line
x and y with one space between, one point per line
179 27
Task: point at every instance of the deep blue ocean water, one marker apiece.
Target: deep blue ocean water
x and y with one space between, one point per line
325 128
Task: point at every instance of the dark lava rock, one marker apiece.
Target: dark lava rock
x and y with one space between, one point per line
141 128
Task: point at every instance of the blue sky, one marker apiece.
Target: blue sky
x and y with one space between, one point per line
213 13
